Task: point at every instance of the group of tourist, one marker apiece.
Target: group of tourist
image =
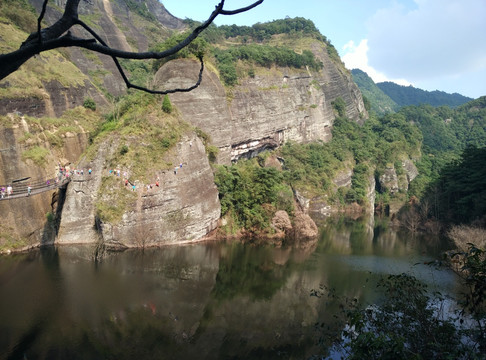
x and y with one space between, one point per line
66 172
129 184
6 191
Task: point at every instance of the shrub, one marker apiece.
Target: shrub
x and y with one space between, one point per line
123 150
462 235
212 152
339 105
37 154
251 194
166 105
406 325
89 104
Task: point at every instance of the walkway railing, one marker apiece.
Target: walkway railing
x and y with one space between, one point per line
20 189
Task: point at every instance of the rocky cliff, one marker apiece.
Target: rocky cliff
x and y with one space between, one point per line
56 81
183 207
29 221
264 111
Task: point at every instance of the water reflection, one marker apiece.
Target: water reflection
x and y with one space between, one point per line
207 301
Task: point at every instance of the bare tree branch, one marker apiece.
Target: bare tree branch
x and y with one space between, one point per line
39 20
58 35
234 12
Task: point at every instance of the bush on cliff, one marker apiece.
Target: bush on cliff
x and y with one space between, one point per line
252 194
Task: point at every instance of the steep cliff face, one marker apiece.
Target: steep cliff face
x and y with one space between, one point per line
25 221
398 179
56 81
183 208
264 111
274 106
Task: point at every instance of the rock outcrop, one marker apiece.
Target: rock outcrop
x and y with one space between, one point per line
27 222
183 208
398 179
263 111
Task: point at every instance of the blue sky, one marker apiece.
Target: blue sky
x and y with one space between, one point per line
430 44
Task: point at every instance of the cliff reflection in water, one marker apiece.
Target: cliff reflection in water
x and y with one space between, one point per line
206 301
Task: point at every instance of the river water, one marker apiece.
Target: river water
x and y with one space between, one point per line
217 300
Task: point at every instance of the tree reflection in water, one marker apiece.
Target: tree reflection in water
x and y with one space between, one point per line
208 301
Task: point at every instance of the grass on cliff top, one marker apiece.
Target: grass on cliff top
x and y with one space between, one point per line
52 130
141 134
29 80
79 118
37 154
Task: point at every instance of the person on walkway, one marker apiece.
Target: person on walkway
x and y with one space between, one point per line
2 192
29 189
9 190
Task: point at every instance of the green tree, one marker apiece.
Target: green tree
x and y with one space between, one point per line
89 104
339 105
166 104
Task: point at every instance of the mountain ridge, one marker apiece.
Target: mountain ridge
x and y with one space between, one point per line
388 96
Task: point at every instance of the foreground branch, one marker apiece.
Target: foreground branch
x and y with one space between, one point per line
58 36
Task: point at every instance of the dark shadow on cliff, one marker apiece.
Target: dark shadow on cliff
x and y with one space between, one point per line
53 221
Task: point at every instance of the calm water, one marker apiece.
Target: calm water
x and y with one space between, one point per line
207 301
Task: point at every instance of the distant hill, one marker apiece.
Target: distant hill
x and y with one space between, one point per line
380 103
409 95
386 97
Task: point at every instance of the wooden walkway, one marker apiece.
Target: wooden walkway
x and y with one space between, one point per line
20 189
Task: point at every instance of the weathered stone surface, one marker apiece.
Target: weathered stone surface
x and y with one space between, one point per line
410 169
184 208
389 179
394 182
319 207
266 110
304 227
24 219
343 178
371 193
281 222
55 100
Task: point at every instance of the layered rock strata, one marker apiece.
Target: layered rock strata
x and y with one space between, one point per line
183 208
263 111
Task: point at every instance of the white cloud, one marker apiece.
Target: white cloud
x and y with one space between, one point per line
356 57
437 38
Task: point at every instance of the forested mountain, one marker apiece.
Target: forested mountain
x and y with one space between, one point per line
460 190
379 102
446 134
387 96
409 95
